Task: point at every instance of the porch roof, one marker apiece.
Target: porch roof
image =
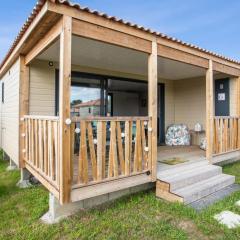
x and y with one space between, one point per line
40 4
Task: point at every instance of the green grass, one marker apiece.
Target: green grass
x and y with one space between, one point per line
139 216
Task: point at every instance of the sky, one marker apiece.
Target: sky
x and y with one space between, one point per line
213 25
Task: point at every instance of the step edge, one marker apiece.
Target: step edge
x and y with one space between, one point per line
218 186
192 172
197 179
209 183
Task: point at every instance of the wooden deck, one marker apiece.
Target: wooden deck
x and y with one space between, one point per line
188 153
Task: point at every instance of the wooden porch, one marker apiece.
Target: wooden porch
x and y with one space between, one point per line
107 154
189 154
79 158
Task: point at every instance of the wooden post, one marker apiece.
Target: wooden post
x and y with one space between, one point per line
64 109
23 106
152 105
209 111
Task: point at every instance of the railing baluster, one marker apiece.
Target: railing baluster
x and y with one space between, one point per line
26 140
100 151
56 147
120 148
128 141
83 159
72 132
226 134
221 135
238 144
42 146
104 132
150 144
36 144
235 133
50 149
29 141
114 149
144 153
125 157
137 151
92 151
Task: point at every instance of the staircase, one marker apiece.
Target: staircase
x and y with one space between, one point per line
190 182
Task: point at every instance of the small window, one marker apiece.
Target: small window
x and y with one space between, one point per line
89 110
3 92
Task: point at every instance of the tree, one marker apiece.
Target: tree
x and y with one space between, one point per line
77 101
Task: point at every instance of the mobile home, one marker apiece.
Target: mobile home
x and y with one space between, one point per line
87 99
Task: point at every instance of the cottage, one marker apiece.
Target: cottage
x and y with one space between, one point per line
87 99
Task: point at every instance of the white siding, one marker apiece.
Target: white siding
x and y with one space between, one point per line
190 102
169 103
42 89
10 112
233 96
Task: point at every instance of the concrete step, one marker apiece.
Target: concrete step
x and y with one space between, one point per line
180 169
191 176
204 188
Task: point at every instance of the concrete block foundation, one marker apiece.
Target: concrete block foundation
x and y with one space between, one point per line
24 182
58 212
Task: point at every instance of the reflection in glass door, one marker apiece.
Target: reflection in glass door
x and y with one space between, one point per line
87 95
85 101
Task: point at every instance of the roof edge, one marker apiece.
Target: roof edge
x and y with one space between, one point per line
40 3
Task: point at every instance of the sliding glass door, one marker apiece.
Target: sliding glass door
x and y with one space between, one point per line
88 95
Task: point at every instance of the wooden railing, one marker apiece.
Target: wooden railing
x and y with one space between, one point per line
41 149
106 148
226 134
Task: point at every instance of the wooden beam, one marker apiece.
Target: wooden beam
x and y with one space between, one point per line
181 56
116 185
209 111
45 42
152 104
105 119
24 82
92 31
108 23
64 109
43 180
222 68
98 20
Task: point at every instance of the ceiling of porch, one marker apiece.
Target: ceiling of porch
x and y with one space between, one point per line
95 54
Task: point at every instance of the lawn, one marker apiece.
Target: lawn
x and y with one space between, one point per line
140 216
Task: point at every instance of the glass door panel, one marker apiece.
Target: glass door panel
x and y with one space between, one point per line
85 101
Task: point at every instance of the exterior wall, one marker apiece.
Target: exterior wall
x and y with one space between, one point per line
233 96
42 95
169 103
190 102
42 89
10 112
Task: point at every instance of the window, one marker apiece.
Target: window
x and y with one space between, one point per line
89 110
3 92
